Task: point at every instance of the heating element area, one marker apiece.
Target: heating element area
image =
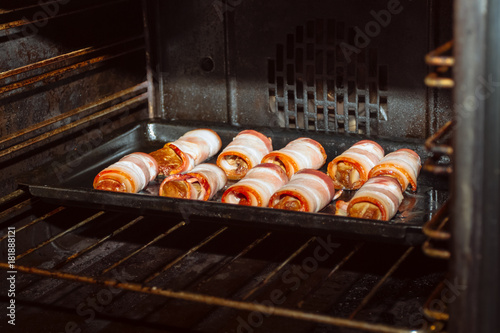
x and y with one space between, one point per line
104 271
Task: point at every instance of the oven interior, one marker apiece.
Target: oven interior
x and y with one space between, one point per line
75 73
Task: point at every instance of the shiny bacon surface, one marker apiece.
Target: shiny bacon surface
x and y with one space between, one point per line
243 153
309 190
257 187
350 169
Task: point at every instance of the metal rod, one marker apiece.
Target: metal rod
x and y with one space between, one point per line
190 251
76 226
156 239
108 111
18 207
435 57
330 274
233 259
100 241
58 72
11 196
55 211
433 314
65 56
432 80
381 282
278 268
75 112
217 301
440 217
20 23
431 142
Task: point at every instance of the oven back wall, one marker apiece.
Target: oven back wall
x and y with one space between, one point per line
339 66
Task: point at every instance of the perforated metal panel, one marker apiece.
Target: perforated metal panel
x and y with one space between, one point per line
317 83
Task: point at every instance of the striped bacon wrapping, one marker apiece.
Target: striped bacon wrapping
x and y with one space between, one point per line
243 153
130 174
191 149
309 190
378 199
201 183
257 187
350 169
302 153
403 164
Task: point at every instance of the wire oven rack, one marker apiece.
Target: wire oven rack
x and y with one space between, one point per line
217 270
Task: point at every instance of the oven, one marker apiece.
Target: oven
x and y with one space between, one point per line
84 82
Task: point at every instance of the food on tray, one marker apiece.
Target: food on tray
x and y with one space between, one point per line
378 199
243 153
302 153
309 190
403 164
350 169
257 187
130 174
191 149
201 183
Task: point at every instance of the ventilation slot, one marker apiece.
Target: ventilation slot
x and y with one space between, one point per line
316 84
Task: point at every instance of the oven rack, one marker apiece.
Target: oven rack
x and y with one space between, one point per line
439 78
25 213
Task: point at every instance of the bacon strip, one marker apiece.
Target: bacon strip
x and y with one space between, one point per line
189 150
201 183
378 199
350 169
243 153
403 164
302 153
309 190
257 187
130 174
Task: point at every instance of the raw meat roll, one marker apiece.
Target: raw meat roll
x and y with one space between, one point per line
257 187
378 199
302 153
350 169
201 183
403 164
243 153
309 190
191 149
130 174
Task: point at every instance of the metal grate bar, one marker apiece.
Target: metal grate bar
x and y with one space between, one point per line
74 112
218 301
76 226
46 77
11 196
55 211
133 101
189 252
278 268
66 56
100 241
330 274
381 282
19 208
229 261
436 294
156 239
19 23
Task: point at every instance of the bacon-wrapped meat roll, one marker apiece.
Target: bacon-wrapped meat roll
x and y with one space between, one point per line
257 187
189 150
201 183
302 153
350 169
378 199
243 153
309 190
403 164
130 174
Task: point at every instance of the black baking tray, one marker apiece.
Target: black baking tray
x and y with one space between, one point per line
70 183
